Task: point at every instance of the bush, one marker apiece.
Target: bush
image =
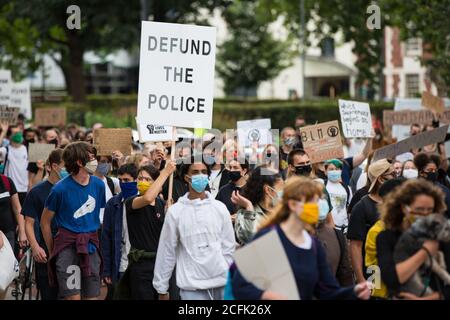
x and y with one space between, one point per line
119 111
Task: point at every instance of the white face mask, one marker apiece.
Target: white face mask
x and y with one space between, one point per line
410 173
91 166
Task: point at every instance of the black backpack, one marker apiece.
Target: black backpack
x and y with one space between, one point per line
111 187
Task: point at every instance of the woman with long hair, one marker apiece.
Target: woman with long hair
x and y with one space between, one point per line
297 211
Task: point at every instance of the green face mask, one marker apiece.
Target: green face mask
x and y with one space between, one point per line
17 137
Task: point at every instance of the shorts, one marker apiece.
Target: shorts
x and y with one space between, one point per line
70 278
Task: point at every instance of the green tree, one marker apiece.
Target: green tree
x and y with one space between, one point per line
251 54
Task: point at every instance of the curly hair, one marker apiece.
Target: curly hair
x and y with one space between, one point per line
254 188
391 210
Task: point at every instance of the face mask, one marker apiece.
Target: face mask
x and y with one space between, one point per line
431 176
310 213
410 173
324 209
91 166
276 199
103 168
63 173
320 174
128 189
235 175
210 160
199 182
17 137
54 141
303 170
30 141
334 175
289 141
143 186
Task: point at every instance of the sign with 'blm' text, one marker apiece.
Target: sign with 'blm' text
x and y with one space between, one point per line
176 74
356 119
322 141
417 141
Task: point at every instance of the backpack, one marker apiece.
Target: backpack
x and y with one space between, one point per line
6 183
111 187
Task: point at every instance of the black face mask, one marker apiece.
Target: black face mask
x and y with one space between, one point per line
303 170
235 175
54 141
320 174
431 176
30 141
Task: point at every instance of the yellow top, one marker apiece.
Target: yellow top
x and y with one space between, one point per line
371 257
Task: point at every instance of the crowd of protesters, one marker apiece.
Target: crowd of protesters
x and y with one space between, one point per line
96 221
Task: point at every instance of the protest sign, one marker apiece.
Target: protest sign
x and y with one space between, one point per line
254 132
39 151
176 74
322 141
9 115
5 88
432 102
21 97
109 140
152 132
356 119
417 141
50 117
264 263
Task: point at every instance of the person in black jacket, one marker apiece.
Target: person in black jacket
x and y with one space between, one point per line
415 198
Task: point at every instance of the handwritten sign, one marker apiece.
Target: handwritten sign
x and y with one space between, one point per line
322 141
408 117
21 97
356 119
9 115
5 88
39 151
50 117
176 74
109 140
417 141
432 102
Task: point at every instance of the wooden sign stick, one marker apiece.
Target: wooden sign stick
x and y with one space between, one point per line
172 157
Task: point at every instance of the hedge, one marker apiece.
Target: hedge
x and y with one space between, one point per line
120 110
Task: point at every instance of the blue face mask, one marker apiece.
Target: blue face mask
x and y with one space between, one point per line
324 209
128 189
334 175
63 173
199 182
103 168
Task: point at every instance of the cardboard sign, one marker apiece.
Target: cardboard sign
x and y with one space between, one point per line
408 117
9 115
109 140
50 117
176 74
356 119
251 132
417 141
5 88
432 102
322 141
39 151
152 132
21 97
264 263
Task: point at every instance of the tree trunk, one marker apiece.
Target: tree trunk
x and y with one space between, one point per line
76 72
159 11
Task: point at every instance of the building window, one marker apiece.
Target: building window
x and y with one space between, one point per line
327 46
412 85
413 47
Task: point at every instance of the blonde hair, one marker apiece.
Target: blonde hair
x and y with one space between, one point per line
296 188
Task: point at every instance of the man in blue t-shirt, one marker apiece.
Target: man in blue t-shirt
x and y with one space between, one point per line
75 203
32 210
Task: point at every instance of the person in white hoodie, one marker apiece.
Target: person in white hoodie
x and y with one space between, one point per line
197 237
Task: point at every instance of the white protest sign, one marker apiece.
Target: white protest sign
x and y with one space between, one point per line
176 74
152 132
5 88
251 132
356 119
39 151
21 97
